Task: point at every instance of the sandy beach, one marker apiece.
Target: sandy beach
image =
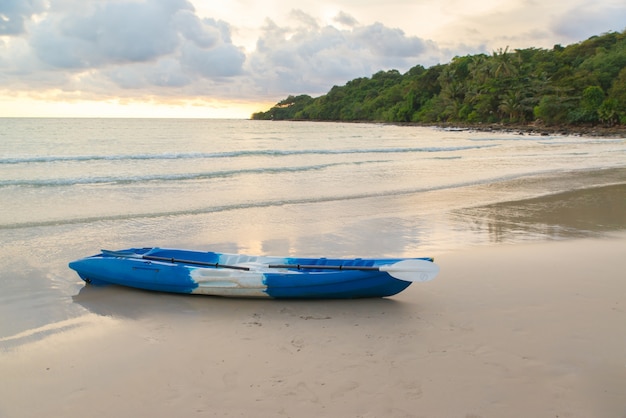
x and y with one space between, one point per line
511 330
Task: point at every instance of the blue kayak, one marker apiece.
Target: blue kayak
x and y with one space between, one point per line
235 275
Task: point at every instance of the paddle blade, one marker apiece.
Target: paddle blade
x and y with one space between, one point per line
412 270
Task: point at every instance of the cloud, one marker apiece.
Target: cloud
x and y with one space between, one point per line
15 13
386 42
127 44
304 18
345 19
205 34
311 58
165 73
528 23
114 32
584 21
225 60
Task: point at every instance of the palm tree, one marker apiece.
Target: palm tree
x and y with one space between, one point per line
512 105
503 63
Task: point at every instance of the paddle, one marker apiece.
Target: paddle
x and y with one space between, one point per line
408 270
171 260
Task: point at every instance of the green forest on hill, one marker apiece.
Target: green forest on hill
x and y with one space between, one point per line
580 84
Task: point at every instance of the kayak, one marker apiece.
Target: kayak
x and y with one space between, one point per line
237 275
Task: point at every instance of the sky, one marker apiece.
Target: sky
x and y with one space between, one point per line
230 58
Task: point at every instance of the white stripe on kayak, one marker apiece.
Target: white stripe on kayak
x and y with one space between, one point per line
224 282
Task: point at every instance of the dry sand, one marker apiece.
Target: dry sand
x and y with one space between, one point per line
527 330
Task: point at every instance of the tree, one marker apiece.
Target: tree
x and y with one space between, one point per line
609 113
285 109
503 63
552 110
587 112
616 98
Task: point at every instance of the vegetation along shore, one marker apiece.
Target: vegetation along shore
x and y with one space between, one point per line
577 89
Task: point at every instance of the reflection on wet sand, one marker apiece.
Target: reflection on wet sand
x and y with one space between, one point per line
127 303
578 213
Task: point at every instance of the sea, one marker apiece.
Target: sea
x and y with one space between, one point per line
70 187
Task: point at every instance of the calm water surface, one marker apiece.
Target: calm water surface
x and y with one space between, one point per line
69 187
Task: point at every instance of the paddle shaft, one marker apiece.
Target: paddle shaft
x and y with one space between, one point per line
272 266
324 267
199 263
226 266
409 270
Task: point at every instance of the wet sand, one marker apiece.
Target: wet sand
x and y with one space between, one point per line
506 330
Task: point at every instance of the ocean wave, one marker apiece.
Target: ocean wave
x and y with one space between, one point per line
121 180
228 154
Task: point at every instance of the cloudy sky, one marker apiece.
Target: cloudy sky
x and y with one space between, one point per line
214 58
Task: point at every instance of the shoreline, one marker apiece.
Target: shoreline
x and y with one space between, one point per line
534 129
541 130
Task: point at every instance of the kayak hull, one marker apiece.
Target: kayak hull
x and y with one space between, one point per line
235 275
